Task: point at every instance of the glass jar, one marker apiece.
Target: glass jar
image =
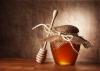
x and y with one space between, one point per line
62 51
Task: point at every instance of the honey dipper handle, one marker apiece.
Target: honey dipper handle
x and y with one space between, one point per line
55 12
53 18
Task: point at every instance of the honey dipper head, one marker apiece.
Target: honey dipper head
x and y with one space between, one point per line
66 29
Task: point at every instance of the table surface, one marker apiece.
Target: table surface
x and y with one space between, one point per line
15 64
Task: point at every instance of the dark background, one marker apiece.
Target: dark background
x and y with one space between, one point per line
17 17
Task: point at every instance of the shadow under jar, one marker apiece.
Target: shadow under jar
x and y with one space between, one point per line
62 51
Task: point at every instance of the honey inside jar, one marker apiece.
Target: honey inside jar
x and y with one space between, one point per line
64 54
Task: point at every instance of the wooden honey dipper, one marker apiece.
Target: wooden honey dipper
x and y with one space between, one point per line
41 55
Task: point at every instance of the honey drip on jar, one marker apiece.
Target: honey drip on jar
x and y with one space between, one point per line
64 54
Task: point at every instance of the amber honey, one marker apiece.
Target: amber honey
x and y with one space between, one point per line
64 54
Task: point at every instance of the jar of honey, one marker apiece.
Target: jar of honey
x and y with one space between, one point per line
64 51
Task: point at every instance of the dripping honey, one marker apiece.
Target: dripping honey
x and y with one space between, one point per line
64 54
